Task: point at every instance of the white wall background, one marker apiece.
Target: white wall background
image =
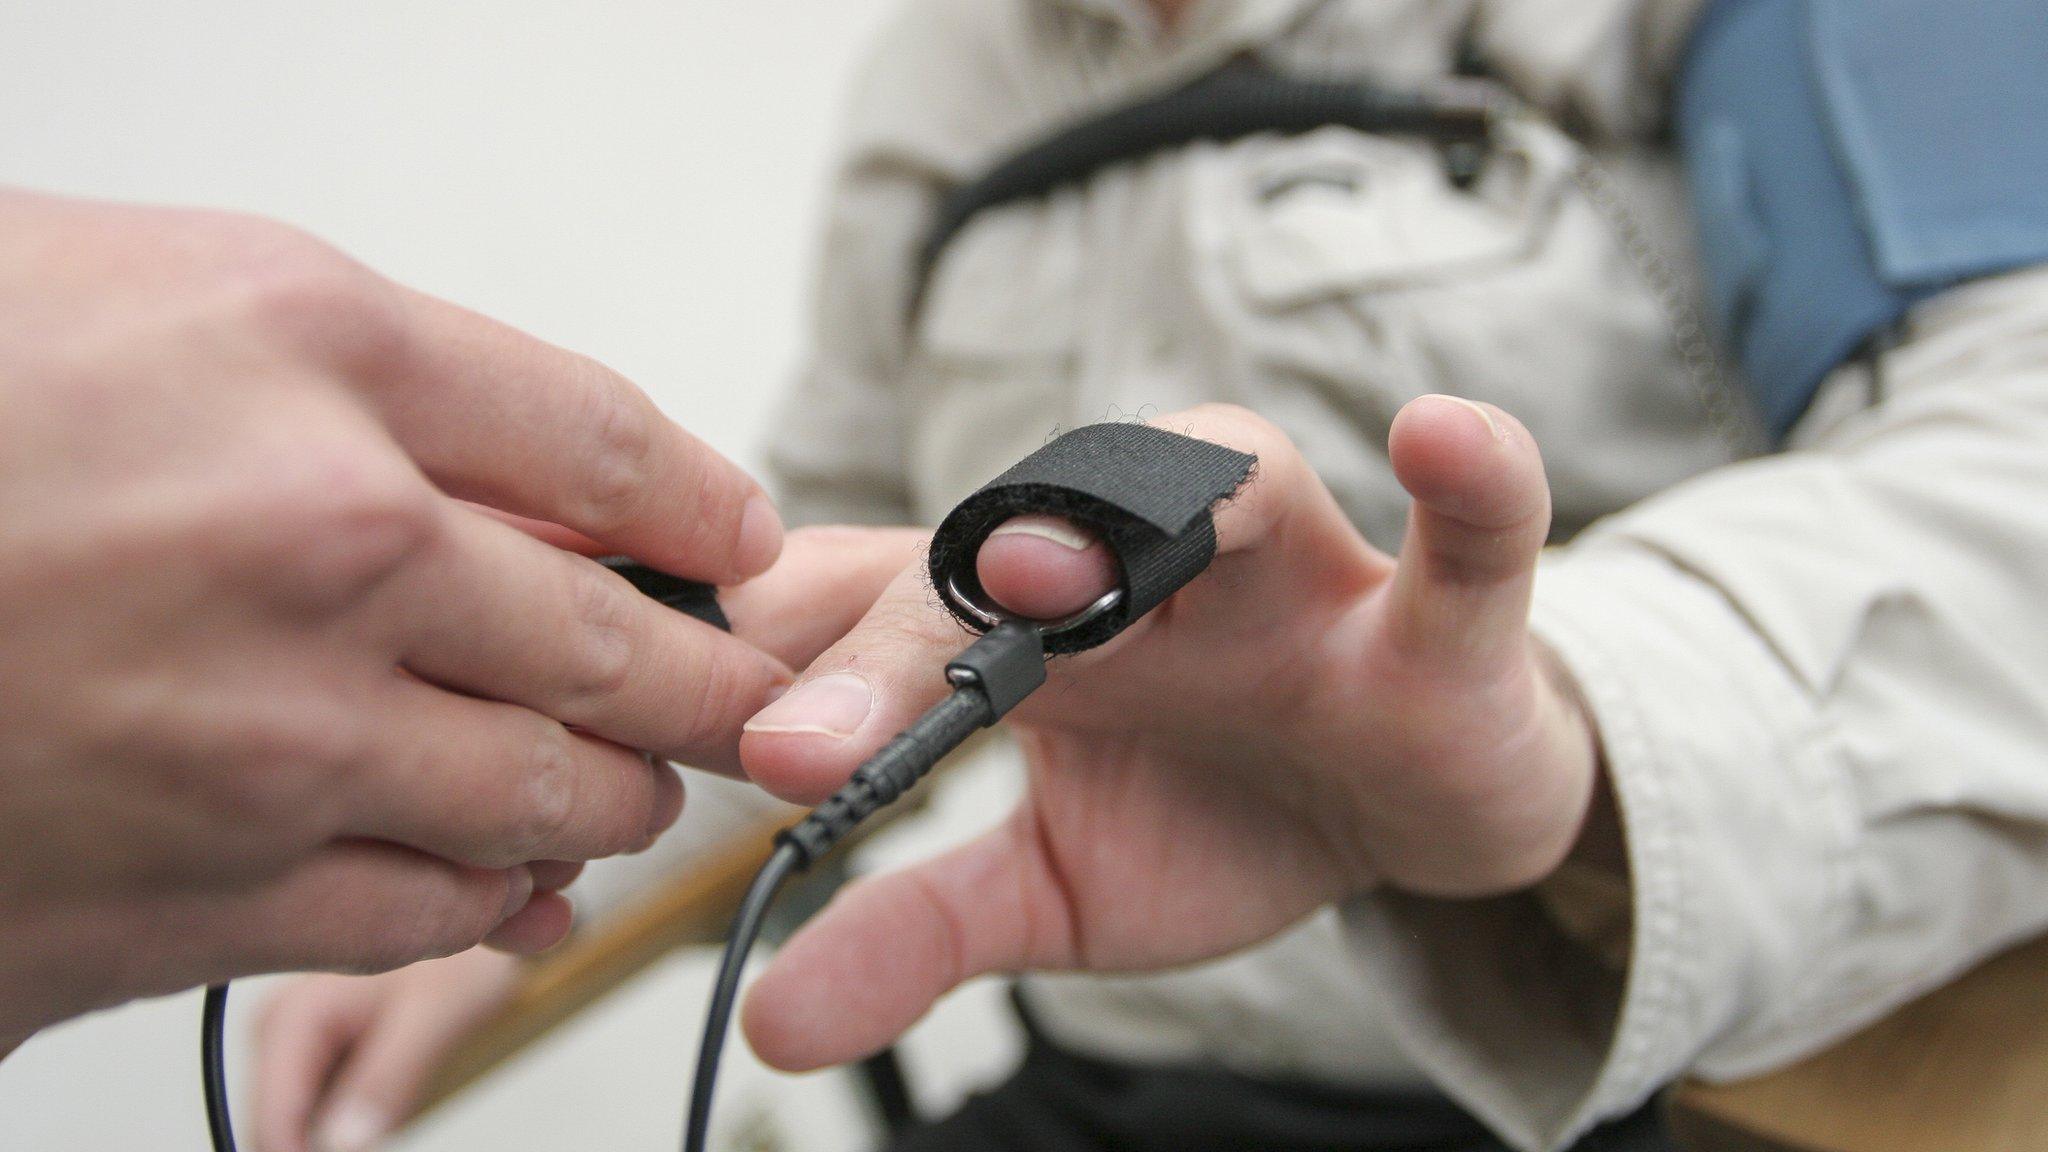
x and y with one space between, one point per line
635 179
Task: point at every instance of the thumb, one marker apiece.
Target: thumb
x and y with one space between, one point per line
303 1033
378 1087
1460 595
869 966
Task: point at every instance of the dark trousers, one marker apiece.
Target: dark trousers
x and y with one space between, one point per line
1060 1101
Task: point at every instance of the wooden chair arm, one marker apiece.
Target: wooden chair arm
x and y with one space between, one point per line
696 908
1963 1069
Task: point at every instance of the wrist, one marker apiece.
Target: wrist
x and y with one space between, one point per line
1599 842
1478 791
1588 897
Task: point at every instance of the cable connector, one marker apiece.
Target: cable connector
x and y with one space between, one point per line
1007 664
991 677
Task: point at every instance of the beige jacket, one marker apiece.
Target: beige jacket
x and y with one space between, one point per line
1821 678
1323 281
1822 685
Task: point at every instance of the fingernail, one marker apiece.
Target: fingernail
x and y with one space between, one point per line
1058 531
834 705
668 808
1493 426
518 890
351 1126
760 536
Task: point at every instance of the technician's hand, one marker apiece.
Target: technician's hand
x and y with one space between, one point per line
343 1061
271 695
1306 721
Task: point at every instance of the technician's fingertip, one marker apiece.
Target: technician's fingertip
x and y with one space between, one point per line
668 800
542 924
760 538
518 890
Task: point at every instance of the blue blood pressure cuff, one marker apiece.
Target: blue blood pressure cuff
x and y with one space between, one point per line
1849 158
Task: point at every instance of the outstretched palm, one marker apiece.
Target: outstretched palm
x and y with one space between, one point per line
1305 721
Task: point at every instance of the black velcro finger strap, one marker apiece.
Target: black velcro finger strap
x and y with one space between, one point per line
1146 492
685 596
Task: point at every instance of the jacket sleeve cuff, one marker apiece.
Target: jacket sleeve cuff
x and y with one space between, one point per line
1736 824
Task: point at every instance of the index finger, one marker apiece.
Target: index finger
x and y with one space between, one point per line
877 679
499 417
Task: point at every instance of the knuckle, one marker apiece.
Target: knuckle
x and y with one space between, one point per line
905 625
333 763
283 1011
619 468
722 695
303 759
1280 467
371 498
1234 427
618 816
295 291
547 803
343 520
306 1002
604 661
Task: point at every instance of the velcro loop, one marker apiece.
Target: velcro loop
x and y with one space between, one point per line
1146 492
686 596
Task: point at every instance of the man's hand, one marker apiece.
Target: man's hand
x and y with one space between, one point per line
1304 722
272 695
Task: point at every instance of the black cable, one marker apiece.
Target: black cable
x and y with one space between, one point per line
989 678
213 1066
787 861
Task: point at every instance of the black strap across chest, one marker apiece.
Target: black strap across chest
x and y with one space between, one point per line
1243 98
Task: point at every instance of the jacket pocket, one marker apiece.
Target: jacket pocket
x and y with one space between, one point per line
1338 213
1354 276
